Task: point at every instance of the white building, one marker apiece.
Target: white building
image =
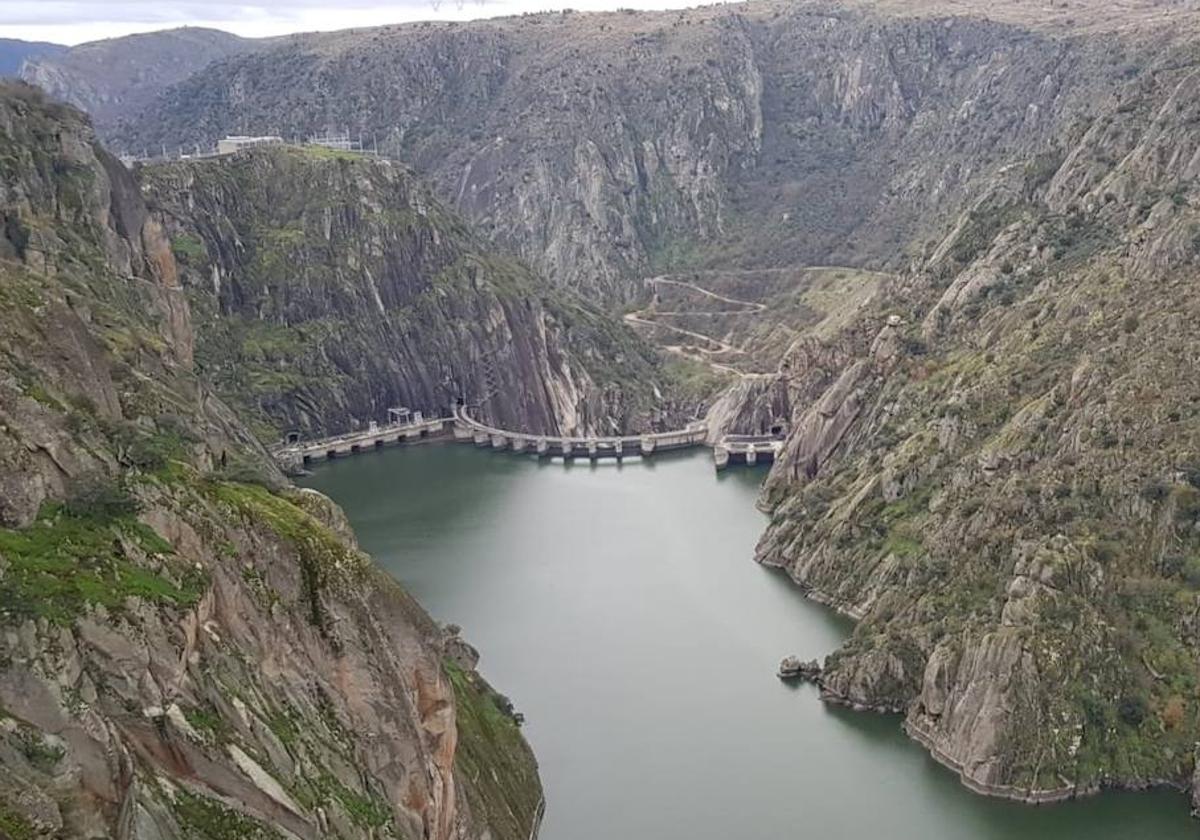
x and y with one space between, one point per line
238 142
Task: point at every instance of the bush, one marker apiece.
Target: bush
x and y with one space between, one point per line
1192 474
1133 710
1191 572
100 497
246 471
1173 713
143 449
1155 490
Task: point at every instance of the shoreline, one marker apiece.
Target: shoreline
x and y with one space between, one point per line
1011 793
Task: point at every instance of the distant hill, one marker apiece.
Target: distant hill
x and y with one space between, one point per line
119 74
13 53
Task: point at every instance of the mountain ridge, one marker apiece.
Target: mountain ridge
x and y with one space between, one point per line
15 52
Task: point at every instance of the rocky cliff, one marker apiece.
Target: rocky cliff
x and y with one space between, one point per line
329 287
188 647
997 471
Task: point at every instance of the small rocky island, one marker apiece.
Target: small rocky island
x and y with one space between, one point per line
794 668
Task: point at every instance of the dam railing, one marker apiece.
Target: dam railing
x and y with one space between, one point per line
467 428
729 450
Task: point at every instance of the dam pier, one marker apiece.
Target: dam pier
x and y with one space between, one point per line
404 427
594 448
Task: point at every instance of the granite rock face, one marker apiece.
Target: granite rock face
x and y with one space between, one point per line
188 647
331 287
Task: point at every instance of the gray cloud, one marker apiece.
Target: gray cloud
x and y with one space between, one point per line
52 12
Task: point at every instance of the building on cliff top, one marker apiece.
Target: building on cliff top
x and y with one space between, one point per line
237 142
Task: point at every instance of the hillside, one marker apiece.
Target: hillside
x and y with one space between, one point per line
122 75
190 647
14 53
998 471
605 147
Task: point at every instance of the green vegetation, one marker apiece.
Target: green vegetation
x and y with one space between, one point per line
147 450
284 726
323 556
492 757
37 751
208 722
980 229
207 819
39 393
325 153
100 498
13 826
188 249
366 810
62 563
692 380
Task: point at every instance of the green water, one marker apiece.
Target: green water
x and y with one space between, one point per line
620 609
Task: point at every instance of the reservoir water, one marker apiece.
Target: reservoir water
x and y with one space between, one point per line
621 610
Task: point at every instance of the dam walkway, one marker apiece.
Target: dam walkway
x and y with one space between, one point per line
731 449
466 428
302 453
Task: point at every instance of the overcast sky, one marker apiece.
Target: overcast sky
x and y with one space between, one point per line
75 21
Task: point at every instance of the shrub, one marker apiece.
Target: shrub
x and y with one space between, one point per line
1191 572
1155 490
1173 713
1192 474
1133 709
100 497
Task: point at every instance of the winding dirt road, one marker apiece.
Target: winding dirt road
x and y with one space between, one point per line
715 346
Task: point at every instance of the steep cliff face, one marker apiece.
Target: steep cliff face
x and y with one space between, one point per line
330 287
187 646
997 472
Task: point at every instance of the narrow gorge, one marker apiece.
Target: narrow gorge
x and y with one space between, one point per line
946 251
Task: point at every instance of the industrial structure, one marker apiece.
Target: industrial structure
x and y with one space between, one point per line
238 142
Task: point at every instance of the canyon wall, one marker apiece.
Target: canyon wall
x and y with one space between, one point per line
188 646
329 287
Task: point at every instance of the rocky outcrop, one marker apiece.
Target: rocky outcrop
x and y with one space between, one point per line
188 647
753 405
331 287
792 667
